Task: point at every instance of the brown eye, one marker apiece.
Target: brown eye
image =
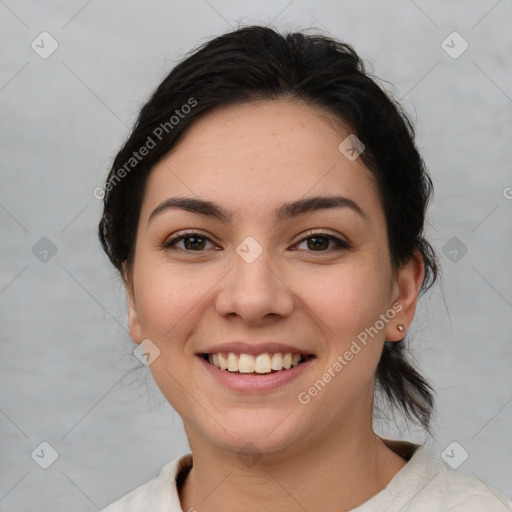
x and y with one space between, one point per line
319 242
191 242
194 242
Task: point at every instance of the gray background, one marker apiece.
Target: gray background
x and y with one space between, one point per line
65 352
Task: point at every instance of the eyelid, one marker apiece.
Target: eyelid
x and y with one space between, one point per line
185 233
322 232
308 234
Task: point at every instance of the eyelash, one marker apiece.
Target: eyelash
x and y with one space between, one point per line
342 245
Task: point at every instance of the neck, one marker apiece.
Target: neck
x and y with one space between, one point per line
331 477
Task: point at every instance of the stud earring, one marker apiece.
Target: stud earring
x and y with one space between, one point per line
400 327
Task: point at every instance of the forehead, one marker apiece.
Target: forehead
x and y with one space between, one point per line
258 155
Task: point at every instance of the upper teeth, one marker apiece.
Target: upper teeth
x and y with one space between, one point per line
247 363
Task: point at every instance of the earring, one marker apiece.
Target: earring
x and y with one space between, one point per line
400 327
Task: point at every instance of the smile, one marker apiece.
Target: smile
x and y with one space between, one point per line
240 363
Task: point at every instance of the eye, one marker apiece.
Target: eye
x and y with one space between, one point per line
319 242
192 241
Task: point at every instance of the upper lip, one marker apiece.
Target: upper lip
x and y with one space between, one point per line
254 348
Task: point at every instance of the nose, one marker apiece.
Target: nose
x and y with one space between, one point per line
255 291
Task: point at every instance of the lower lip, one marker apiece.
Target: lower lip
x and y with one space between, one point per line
255 382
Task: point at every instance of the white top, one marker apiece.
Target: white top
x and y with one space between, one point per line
422 485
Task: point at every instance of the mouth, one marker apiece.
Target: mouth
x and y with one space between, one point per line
260 364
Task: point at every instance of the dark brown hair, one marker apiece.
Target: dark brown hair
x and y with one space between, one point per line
255 63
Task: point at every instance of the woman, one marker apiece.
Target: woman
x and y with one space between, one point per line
266 216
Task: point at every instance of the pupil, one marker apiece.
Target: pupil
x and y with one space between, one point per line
195 244
316 245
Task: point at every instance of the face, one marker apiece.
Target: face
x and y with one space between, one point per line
244 273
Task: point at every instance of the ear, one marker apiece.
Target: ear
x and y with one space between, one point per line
133 317
409 279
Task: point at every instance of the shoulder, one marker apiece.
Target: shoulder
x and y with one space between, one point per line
463 493
159 493
426 484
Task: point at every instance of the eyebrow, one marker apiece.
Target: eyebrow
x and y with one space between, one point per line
284 212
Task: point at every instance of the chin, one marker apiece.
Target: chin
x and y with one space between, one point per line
255 431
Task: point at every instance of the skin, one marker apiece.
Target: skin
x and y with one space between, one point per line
250 159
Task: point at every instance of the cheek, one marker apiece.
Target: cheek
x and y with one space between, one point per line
347 298
165 299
